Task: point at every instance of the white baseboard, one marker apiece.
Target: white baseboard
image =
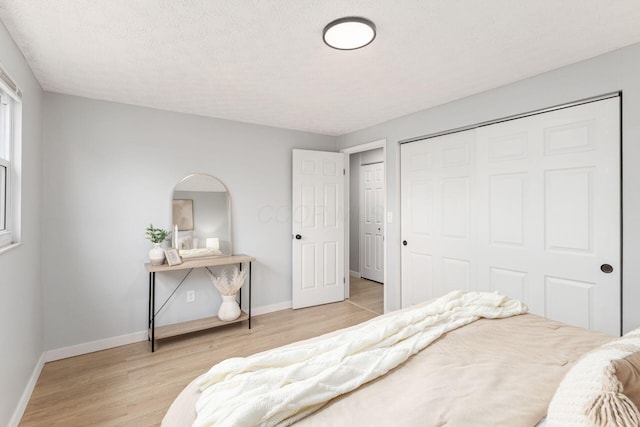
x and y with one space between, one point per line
354 274
90 347
26 394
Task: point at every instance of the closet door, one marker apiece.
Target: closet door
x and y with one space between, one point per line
550 213
372 221
545 204
438 218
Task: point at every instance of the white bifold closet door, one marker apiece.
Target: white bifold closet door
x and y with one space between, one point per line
528 207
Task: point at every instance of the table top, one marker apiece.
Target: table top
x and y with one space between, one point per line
201 262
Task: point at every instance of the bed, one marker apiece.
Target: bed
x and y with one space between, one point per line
498 372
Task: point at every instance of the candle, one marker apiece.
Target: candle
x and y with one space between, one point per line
175 236
212 243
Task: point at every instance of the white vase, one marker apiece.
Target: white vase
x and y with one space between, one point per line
229 309
156 255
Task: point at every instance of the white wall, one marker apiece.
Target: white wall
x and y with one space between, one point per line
21 301
611 72
110 171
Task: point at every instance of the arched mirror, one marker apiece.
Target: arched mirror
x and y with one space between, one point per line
201 217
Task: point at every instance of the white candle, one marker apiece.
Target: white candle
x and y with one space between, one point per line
213 243
175 236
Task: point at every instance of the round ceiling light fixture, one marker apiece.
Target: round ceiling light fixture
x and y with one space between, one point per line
349 33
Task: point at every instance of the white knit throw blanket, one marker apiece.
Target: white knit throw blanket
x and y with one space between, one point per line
283 385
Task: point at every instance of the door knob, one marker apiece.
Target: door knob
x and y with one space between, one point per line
606 268
404 242
298 237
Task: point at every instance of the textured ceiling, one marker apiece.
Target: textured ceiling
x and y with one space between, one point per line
264 61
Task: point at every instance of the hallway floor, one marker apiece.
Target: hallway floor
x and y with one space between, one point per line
367 294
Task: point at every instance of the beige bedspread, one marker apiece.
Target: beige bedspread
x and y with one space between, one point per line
489 373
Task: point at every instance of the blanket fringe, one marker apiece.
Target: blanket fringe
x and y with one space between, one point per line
613 409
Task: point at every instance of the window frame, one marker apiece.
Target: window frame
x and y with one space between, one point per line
5 205
11 110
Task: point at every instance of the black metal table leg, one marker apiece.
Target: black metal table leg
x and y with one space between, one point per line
153 313
149 311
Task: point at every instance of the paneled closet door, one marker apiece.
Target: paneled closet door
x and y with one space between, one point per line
372 221
549 213
544 214
438 218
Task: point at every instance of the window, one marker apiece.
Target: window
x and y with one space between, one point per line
9 134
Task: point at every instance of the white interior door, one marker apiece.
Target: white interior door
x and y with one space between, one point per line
540 196
372 221
318 228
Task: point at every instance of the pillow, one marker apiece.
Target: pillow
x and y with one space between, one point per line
602 389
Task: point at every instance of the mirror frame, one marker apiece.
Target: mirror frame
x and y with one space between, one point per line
228 205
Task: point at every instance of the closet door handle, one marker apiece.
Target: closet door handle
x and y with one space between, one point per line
298 237
606 268
404 243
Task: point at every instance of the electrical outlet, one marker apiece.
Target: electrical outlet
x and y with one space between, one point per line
191 296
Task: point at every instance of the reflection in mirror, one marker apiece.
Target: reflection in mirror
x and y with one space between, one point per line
201 217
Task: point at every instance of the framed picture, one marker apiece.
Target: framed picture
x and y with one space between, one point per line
183 214
172 256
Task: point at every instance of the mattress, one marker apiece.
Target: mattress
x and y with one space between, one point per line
500 372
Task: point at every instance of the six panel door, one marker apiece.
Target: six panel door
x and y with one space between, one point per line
372 222
318 228
437 216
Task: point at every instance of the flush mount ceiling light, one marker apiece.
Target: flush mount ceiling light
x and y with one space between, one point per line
349 33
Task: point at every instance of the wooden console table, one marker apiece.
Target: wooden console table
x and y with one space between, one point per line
198 324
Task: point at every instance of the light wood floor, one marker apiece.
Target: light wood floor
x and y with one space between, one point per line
367 294
130 386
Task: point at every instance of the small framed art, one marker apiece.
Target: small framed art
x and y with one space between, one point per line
172 256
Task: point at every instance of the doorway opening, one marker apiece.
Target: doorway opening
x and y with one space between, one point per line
365 243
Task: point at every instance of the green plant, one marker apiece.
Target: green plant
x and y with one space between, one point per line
157 235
